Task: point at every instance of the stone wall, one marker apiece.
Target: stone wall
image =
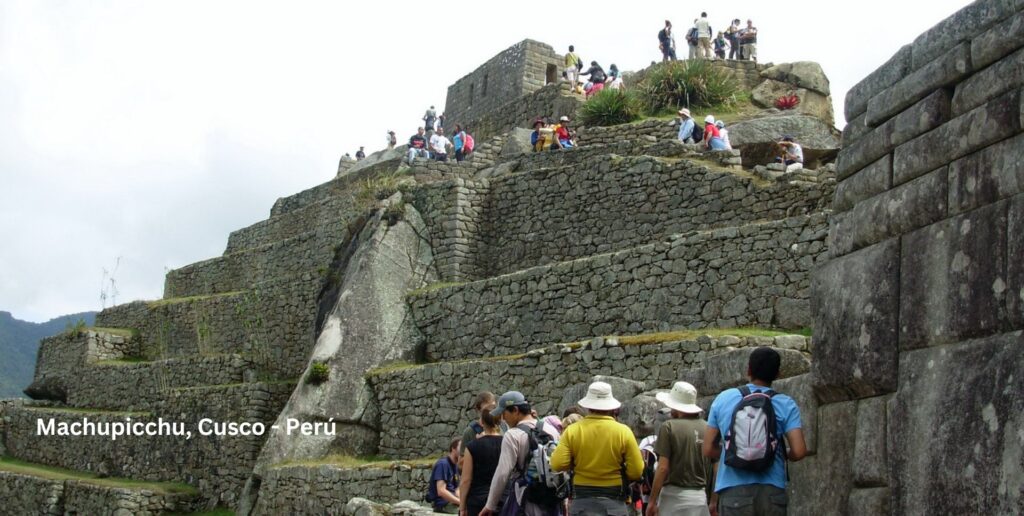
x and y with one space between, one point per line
757 274
553 100
421 421
657 129
920 307
518 70
326 489
217 466
27 494
336 210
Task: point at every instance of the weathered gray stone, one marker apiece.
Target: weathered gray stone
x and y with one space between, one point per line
801 389
804 74
364 507
792 313
953 284
989 175
998 41
870 458
886 75
757 138
855 130
947 70
1015 266
638 414
729 369
869 501
961 26
808 488
856 304
811 102
955 429
982 126
1005 75
52 388
904 208
868 182
919 119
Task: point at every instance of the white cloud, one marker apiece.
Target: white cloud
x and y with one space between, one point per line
150 130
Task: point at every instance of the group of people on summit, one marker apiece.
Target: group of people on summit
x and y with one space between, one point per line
510 461
739 42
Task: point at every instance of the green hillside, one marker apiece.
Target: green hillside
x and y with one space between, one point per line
19 341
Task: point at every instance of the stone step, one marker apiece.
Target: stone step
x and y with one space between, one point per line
303 257
325 487
421 421
341 208
752 275
273 323
604 203
28 488
217 465
342 185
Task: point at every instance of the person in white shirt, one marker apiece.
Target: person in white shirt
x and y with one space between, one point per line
704 37
439 145
723 133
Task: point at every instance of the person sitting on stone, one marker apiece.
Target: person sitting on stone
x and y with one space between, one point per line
791 152
480 461
724 134
418 146
439 145
543 136
444 479
686 126
712 138
563 134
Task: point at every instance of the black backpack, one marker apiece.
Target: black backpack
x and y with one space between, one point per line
698 132
752 440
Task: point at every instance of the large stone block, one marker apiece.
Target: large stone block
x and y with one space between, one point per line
869 501
856 303
870 181
982 126
989 175
924 116
963 25
947 70
998 41
1002 76
953 283
804 74
1015 265
957 447
884 76
729 369
855 130
801 389
904 208
870 457
820 484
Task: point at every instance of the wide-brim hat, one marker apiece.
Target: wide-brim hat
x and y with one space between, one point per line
685 112
682 397
599 397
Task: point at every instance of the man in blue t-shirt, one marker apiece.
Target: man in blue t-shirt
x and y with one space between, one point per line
444 482
736 489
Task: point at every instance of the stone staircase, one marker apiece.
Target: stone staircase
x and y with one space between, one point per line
641 260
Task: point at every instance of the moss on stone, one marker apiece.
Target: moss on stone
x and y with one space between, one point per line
54 473
671 336
434 286
190 299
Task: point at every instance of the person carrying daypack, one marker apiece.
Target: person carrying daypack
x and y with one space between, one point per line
510 482
602 454
682 485
745 431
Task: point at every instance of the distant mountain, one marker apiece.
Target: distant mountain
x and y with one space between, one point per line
19 341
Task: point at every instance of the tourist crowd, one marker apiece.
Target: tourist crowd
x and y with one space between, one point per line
510 461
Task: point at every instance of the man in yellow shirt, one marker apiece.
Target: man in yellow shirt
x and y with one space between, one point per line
602 453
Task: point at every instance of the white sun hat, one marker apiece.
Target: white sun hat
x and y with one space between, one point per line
599 397
682 397
709 119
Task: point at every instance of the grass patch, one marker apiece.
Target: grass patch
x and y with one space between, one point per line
806 331
88 411
611 107
178 300
434 286
670 336
54 473
690 83
348 461
391 367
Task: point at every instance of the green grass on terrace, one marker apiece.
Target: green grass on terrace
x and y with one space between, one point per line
59 474
432 287
176 300
348 461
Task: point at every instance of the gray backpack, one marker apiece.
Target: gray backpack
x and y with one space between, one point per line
753 439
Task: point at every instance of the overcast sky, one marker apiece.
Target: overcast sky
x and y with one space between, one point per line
140 133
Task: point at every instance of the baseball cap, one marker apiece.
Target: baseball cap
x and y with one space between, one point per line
509 399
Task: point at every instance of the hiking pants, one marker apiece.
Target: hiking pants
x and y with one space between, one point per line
753 500
597 507
704 48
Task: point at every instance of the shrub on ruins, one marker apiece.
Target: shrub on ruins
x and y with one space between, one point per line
319 373
692 83
611 107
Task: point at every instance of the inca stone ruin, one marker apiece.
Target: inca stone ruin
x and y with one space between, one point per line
633 257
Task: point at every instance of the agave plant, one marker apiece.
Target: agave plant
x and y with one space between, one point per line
787 101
